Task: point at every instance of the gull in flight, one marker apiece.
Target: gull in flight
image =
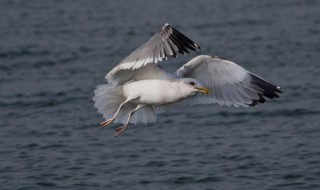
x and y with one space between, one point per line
138 89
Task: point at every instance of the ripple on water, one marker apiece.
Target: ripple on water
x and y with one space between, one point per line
52 56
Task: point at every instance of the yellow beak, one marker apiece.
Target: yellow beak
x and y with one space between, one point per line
203 90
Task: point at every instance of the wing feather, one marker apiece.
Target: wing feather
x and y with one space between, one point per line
167 42
229 83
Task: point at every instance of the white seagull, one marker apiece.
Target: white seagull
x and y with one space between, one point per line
138 89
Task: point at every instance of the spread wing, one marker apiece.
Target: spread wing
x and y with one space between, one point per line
167 42
229 84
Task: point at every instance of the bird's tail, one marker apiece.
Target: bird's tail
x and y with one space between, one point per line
107 99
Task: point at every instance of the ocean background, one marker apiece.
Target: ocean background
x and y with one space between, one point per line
54 53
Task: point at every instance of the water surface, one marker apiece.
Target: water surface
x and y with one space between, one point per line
54 53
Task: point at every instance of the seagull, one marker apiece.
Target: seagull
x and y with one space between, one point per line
138 89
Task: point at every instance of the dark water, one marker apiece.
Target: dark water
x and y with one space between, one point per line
54 53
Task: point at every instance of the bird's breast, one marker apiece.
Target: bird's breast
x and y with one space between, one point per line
153 92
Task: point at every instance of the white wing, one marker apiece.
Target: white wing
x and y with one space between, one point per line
229 83
168 41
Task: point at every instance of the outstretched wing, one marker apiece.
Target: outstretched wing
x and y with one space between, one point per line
229 83
167 42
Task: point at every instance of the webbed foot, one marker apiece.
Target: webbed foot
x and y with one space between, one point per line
120 130
106 122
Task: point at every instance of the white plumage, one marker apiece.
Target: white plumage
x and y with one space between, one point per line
137 88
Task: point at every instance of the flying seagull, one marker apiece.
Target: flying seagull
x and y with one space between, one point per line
138 89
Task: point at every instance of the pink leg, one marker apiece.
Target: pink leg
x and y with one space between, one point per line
120 130
108 121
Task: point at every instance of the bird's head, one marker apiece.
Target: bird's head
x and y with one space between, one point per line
195 85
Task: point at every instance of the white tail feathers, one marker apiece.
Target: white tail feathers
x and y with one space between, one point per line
107 100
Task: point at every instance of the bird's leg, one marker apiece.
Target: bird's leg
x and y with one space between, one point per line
108 121
120 130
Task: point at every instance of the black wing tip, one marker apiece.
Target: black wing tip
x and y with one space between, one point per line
166 26
177 35
255 102
265 89
279 89
189 43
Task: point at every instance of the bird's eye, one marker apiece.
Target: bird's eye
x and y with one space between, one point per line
192 83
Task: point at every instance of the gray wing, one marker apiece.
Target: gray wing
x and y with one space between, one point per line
167 42
229 83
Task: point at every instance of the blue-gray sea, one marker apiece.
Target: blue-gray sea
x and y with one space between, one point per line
54 53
